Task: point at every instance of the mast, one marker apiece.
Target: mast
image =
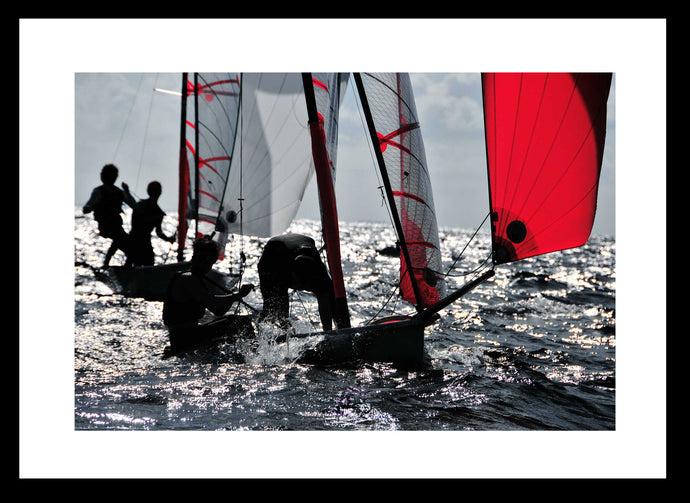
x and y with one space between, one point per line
387 186
492 216
328 206
196 153
183 175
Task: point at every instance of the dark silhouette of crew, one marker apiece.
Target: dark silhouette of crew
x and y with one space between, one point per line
292 261
189 296
106 203
146 217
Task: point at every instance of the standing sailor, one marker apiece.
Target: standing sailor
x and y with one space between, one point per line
106 203
146 217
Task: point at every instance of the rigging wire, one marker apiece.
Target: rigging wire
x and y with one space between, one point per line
129 114
372 155
304 307
481 265
243 257
393 293
146 132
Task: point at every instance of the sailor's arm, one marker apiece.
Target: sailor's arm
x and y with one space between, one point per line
217 304
129 199
161 234
93 201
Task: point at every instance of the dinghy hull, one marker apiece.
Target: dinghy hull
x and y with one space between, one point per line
399 341
151 282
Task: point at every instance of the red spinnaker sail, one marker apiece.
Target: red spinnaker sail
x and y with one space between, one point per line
544 140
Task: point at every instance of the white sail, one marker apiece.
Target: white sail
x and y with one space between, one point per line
272 164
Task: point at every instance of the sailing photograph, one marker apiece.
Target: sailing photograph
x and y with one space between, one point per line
269 251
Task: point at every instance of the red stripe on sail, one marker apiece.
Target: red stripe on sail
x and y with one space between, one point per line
427 244
207 194
207 162
386 140
208 91
409 196
320 84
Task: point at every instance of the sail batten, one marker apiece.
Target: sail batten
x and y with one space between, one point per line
545 135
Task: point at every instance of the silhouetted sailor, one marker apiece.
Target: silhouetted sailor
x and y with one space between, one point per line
106 203
292 261
189 296
146 217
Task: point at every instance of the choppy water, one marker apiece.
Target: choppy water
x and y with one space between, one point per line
532 349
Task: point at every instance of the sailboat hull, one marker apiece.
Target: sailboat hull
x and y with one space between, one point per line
398 341
151 282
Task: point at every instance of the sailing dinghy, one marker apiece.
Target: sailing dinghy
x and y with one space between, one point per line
545 138
206 141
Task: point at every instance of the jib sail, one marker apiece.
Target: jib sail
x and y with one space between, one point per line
399 142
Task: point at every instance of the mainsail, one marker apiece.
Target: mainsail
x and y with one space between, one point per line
213 130
544 140
399 143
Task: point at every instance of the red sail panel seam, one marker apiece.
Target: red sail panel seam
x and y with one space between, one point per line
202 87
203 162
408 195
190 147
565 213
208 195
529 147
426 244
548 154
321 85
572 161
206 162
386 139
220 158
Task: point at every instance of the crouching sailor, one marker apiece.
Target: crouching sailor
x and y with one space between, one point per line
291 261
188 297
